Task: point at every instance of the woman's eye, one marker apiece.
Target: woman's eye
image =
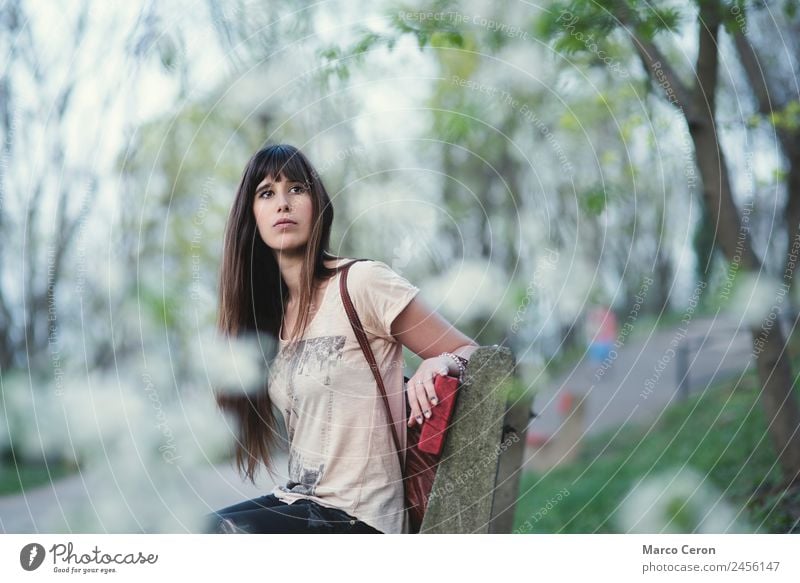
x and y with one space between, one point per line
293 189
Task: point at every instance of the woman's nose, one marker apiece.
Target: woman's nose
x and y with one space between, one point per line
283 201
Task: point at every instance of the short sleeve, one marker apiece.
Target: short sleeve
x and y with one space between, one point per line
379 295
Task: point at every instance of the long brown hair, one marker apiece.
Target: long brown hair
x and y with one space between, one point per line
253 293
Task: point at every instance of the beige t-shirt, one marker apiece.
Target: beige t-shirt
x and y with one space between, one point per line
341 451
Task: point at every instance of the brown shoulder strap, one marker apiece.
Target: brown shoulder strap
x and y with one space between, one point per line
361 336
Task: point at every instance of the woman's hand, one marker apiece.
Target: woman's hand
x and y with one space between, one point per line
421 393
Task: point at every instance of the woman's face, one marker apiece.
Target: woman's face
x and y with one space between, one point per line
279 201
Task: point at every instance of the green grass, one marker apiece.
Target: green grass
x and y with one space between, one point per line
721 434
26 476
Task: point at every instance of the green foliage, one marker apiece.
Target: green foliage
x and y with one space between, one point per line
452 127
654 19
734 16
369 40
584 26
753 121
458 53
780 175
458 125
570 23
681 515
426 31
334 60
447 39
514 390
457 47
338 60
441 33
160 308
787 118
593 201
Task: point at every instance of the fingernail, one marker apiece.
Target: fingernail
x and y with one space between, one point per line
435 401
427 414
419 420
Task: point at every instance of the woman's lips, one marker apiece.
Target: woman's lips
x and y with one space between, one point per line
284 225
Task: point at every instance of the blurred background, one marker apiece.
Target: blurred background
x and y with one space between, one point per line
611 188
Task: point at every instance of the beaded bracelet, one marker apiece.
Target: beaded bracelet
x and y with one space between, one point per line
461 362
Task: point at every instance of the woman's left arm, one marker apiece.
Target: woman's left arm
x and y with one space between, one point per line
423 331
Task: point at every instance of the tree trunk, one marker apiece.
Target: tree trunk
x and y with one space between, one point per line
730 235
772 362
779 399
765 90
792 229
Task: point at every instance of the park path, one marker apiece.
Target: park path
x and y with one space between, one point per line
211 487
649 372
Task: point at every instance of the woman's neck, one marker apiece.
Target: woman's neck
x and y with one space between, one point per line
291 268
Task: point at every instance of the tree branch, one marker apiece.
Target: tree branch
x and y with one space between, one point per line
707 64
659 69
756 76
763 89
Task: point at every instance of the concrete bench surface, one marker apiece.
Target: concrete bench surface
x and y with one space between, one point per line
469 495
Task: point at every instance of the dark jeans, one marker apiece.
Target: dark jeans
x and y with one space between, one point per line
268 515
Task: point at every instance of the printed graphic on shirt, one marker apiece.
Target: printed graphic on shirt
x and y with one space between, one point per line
321 352
310 357
302 479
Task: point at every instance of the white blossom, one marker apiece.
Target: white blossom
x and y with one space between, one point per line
753 297
235 364
468 290
571 285
678 501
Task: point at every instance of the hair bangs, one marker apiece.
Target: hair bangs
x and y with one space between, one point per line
279 161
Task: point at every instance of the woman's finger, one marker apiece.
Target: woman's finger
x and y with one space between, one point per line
430 391
413 403
422 398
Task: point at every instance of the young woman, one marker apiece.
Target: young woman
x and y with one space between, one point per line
278 278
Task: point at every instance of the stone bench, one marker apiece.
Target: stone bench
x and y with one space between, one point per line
477 481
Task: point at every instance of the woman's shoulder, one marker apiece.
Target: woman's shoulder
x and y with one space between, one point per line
379 294
376 277
370 270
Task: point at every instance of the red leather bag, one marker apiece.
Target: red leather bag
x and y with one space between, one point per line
424 445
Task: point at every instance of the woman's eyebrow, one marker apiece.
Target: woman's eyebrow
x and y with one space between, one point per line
268 184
